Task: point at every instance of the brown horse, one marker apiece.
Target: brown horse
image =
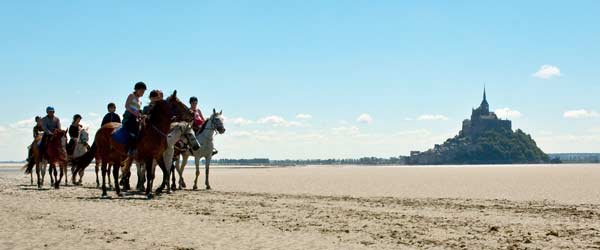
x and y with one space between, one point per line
153 138
55 155
151 142
35 160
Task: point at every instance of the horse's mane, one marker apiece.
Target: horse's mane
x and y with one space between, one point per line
203 127
160 109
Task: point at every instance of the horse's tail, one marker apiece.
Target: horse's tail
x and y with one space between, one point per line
80 163
29 166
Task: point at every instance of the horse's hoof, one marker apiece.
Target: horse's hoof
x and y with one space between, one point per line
104 197
195 187
208 188
149 196
183 184
120 195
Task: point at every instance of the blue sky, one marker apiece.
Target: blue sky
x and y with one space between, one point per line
411 70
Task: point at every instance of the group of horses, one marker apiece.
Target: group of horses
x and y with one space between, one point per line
167 122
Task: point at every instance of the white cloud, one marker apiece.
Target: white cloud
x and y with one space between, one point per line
240 121
303 116
580 113
345 130
428 117
364 118
547 72
277 121
92 114
507 113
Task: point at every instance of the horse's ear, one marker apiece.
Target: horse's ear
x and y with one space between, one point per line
214 111
221 112
174 93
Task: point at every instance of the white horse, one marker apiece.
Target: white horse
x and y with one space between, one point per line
81 147
205 137
179 131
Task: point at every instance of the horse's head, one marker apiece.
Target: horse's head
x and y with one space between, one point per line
217 121
160 113
84 136
57 144
187 134
179 109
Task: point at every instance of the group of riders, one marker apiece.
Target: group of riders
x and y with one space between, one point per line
134 112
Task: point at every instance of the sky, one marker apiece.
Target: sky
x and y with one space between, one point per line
310 79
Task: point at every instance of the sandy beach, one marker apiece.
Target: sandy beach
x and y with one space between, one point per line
325 207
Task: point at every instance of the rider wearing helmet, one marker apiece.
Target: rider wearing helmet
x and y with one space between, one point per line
133 112
49 124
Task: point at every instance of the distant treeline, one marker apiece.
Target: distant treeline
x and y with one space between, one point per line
267 162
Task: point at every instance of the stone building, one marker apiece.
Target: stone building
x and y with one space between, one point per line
482 120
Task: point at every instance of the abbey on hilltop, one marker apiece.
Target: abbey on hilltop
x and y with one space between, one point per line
482 120
484 139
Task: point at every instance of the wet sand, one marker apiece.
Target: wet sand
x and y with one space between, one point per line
507 207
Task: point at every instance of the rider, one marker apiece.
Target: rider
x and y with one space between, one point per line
111 116
133 108
38 128
49 124
155 95
198 117
74 130
37 131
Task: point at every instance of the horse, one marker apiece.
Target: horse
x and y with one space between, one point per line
205 136
56 154
81 147
153 138
179 131
37 161
151 143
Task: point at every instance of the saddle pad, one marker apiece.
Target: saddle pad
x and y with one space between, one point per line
121 135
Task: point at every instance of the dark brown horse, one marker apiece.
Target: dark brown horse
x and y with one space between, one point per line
55 155
153 138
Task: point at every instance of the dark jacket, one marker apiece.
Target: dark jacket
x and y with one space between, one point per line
111 117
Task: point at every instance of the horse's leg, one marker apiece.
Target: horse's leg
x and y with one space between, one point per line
44 167
166 176
80 183
174 183
31 175
110 186
63 169
116 170
181 166
149 176
141 176
104 170
207 167
197 161
60 176
52 173
97 169
37 172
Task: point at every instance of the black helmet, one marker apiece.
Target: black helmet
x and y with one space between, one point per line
193 99
77 116
140 85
